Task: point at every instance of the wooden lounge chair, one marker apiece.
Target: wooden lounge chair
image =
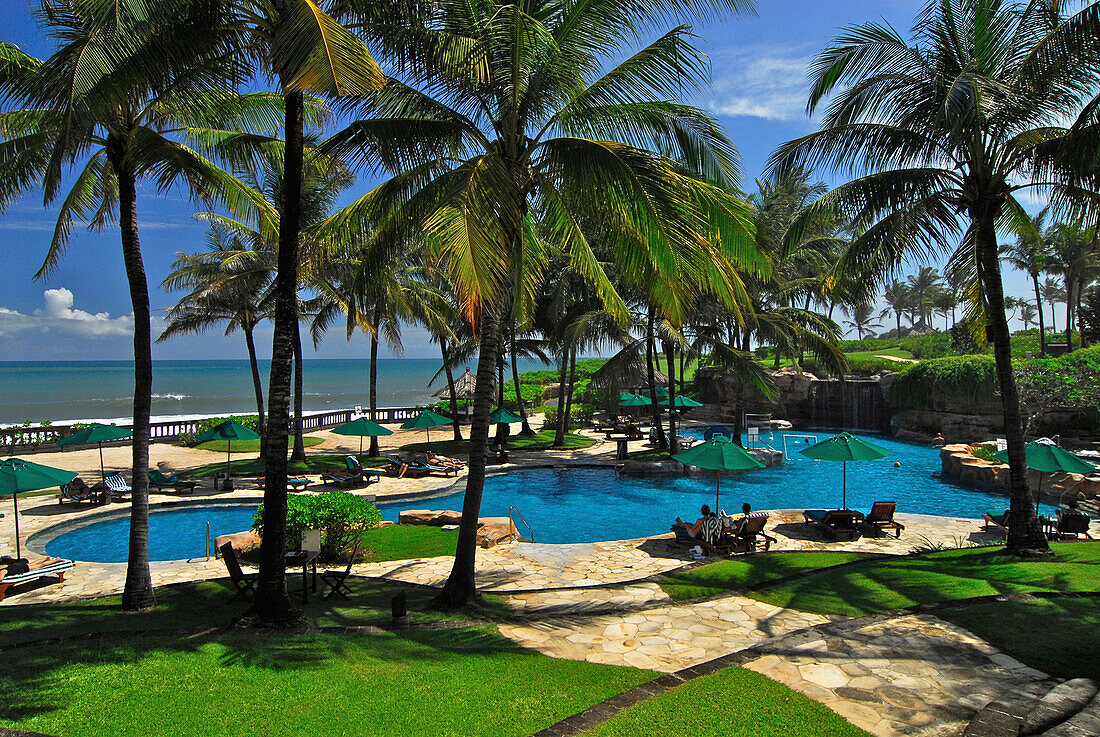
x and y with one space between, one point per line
76 491
117 486
337 580
710 537
1069 523
995 521
412 469
173 482
835 521
57 568
882 518
751 527
298 483
244 583
351 474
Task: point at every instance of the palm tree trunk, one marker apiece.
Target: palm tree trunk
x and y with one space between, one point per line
525 428
502 427
559 429
372 383
445 352
257 387
271 606
138 591
1039 306
683 354
1077 311
1025 535
1069 313
461 587
650 345
1053 318
299 453
673 437
569 392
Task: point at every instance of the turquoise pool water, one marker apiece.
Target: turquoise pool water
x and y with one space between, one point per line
585 505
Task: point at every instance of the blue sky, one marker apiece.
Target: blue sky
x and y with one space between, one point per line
81 311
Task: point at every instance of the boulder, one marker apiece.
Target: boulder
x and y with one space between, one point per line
495 530
432 518
242 542
551 391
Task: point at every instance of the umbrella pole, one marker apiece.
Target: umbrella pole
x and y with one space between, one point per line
15 501
717 489
102 474
1039 492
360 448
228 454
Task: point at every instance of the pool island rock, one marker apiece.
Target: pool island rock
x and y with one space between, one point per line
962 465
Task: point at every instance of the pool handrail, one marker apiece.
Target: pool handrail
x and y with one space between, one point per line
530 532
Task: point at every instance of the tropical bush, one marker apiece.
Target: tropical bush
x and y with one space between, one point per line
580 415
956 383
341 517
929 345
867 365
984 452
1067 382
867 344
585 368
532 395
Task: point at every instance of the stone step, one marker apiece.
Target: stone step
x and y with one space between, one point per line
1085 723
1060 704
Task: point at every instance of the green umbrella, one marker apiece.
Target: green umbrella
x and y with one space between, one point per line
682 401
1045 457
720 454
625 396
363 428
636 400
228 431
503 416
99 434
427 420
17 475
844 448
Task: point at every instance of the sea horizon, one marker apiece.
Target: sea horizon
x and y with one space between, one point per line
64 392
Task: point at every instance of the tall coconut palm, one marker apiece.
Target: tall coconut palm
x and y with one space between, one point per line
1075 255
861 319
922 286
898 299
1028 314
1030 253
228 283
1053 293
942 133
133 92
500 116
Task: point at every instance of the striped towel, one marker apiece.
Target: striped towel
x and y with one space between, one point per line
52 569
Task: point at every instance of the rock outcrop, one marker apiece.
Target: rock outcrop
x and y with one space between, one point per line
242 542
490 530
432 518
960 464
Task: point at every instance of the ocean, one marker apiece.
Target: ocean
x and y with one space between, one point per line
74 391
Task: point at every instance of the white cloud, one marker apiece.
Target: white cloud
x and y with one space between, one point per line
766 82
57 317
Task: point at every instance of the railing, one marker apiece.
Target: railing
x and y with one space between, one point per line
530 532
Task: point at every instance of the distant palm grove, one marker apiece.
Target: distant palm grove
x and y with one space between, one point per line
530 180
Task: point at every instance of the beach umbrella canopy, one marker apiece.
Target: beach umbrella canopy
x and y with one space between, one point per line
362 427
426 420
636 400
99 434
503 416
719 454
845 447
625 396
682 401
228 431
1045 457
18 476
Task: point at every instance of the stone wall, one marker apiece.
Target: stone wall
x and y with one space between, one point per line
960 464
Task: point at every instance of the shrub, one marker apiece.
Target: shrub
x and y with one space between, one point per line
867 365
867 344
984 452
955 383
930 345
580 415
341 517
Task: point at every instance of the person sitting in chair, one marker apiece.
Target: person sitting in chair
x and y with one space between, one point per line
696 529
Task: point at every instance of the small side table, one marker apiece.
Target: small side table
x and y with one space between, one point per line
304 559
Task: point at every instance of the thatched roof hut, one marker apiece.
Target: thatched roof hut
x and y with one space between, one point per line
464 387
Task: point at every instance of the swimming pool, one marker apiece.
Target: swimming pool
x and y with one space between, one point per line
588 504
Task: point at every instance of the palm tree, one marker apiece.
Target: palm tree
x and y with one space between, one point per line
129 87
227 284
1027 314
1053 293
498 117
898 300
861 316
922 286
944 302
1075 255
1030 253
943 132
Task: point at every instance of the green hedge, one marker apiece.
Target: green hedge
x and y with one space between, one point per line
867 344
579 414
867 365
955 384
543 377
341 517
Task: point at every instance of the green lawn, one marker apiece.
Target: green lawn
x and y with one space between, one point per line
895 352
731 703
399 542
315 463
539 441
886 583
451 682
250 446
745 572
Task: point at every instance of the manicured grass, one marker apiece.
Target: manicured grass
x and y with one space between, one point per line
451 682
1060 637
540 441
886 583
649 454
207 604
399 542
250 446
315 463
739 573
732 703
895 352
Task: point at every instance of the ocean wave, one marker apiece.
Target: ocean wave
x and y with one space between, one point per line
177 397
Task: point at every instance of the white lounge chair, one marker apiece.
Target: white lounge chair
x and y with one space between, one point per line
57 568
116 484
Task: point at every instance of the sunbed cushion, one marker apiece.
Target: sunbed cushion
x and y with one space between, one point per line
817 515
52 569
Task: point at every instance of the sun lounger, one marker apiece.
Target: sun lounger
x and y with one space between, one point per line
751 527
401 468
882 518
996 521
76 494
351 474
243 583
337 580
117 485
710 537
835 521
57 568
298 483
173 482
1067 524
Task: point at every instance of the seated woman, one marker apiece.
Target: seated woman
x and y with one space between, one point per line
696 529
